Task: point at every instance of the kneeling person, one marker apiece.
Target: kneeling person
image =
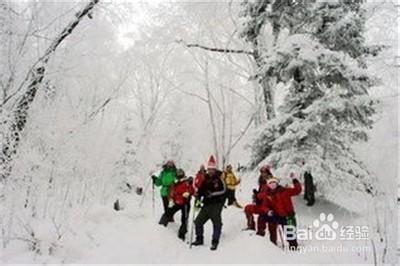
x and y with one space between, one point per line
281 211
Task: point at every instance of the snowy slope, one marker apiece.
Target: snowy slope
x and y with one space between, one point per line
101 235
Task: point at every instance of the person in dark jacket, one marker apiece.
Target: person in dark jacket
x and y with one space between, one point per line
179 200
212 193
309 186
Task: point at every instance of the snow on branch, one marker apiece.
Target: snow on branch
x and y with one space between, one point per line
53 46
215 49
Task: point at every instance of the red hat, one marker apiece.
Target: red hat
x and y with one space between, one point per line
211 164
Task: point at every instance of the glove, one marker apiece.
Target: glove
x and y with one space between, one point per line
292 176
171 204
154 178
255 191
270 213
253 197
197 204
186 195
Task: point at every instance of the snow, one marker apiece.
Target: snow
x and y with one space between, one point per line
101 235
72 218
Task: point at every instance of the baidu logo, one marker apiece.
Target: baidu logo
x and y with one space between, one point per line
326 227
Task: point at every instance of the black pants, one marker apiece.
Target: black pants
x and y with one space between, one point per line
210 211
309 197
274 221
165 202
309 189
167 216
230 195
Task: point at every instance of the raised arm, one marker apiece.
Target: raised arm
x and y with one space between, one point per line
296 189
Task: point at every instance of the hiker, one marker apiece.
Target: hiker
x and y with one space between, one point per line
231 182
309 186
280 210
179 200
165 180
259 205
212 194
199 177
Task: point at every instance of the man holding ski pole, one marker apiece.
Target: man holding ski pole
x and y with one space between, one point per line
212 193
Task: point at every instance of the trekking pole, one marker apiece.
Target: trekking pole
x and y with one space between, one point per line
281 236
192 224
152 196
186 213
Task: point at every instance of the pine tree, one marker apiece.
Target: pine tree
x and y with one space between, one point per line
321 61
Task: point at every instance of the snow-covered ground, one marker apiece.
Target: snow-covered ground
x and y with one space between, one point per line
102 235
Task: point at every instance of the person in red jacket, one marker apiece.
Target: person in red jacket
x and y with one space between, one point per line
200 177
280 210
179 200
259 205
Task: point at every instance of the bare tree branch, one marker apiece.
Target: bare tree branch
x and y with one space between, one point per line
35 78
53 46
215 49
242 134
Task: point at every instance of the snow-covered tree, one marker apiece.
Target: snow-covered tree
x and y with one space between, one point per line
320 59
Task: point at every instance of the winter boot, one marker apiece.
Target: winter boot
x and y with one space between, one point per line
260 233
199 241
181 236
214 244
293 245
163 220
250 223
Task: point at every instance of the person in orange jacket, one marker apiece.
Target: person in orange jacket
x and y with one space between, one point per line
231 182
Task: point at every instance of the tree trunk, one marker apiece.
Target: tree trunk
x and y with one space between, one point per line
264 82
20 113
211 113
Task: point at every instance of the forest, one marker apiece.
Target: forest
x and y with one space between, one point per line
96 96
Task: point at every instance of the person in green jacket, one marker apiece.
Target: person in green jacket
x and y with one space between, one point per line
165 180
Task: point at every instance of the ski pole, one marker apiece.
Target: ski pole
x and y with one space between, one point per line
186 213
192 224
152 196
281 236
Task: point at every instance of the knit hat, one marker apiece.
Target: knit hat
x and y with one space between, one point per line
202 167
211 164
265 168
180 173
272 180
